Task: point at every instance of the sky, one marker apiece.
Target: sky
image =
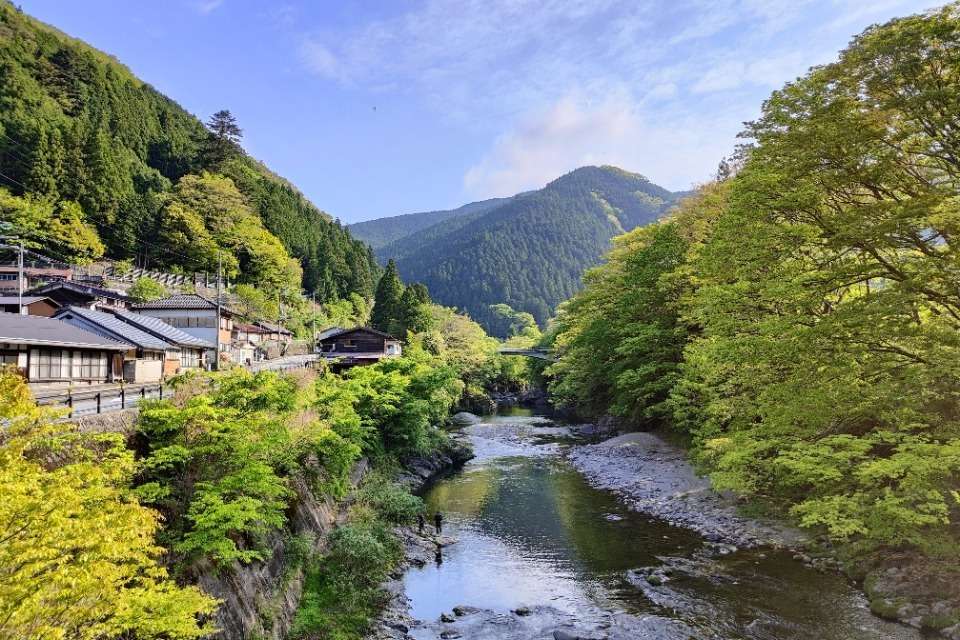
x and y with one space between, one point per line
378 108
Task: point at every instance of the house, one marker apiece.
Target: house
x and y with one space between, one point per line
32 305
193 314
187 351
274 331
248 333
46 350
243 351
143 361
74 294
358 346
34 275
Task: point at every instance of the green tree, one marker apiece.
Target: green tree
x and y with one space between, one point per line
387 305
146 289
78 558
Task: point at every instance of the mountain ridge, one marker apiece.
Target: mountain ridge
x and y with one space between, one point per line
530 250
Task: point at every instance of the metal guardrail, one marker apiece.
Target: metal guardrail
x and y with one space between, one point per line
99 399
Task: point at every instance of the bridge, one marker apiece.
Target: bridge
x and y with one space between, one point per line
539 354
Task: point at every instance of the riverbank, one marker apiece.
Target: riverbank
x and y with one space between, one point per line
654 477
533 551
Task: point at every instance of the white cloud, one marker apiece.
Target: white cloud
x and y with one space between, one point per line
673 151
205 7
319 59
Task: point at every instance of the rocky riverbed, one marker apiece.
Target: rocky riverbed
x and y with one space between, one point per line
552 537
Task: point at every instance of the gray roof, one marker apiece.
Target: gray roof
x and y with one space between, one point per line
181 301
7 300
95 292
49 332
272 328
332 331
340 332
161 329
118 329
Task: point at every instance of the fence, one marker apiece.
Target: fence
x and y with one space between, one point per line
99 399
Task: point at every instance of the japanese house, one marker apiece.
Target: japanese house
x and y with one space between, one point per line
187 352
357 346
45 350
32 305
193 314
73 294
144 359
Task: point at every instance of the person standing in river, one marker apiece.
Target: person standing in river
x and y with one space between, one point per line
438 522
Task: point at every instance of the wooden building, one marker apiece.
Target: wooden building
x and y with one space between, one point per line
73 294
46 350
32 305
143 361
357 346
186 352
193 314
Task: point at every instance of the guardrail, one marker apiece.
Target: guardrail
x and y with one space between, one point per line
104 398
99 399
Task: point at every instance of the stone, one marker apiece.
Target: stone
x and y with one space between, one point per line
522 611
462 610
465 419
446 617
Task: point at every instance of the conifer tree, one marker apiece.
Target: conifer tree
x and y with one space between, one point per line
387 300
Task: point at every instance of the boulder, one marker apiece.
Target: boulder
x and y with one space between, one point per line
465 419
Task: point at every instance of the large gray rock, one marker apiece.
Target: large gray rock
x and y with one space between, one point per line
465 419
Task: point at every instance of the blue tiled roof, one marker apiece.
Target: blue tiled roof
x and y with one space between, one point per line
161 328
49 332
113 325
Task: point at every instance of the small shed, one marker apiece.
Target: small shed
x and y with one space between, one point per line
32 305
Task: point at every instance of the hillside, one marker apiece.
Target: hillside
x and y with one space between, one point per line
119 169
529 251
384 231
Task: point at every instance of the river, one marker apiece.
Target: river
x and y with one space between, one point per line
532 535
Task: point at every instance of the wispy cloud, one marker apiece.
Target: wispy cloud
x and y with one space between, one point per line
205 7
675 150
651 85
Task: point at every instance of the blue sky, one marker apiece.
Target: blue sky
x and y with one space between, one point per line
382 108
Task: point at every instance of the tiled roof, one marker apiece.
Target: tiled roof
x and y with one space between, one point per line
181 301
272 328
341 332
96 292
160 328
118 328
49 332
332 331
6 300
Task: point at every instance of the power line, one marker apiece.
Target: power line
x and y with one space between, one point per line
20 184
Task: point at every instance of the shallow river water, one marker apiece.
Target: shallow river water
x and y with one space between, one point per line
530 531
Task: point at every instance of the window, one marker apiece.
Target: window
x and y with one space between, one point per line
61 364
189 358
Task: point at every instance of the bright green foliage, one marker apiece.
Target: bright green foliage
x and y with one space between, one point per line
342 591
400 401
77 552
78 127
630 364
218 467
146 289
60 229
817 299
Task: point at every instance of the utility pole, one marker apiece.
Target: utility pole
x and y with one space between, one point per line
20 277
313 320
219 309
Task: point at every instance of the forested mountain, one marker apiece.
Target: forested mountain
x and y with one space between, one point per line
530 250
383 231
94 161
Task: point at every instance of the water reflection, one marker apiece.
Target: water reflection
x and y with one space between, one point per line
531 531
